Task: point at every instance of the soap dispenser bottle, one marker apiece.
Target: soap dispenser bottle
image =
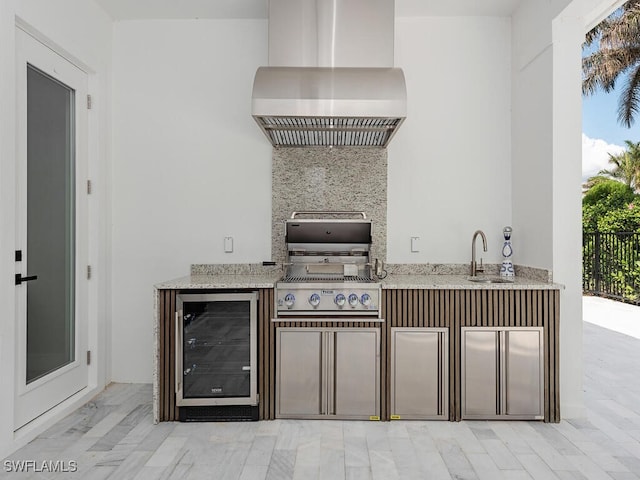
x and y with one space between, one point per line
506 271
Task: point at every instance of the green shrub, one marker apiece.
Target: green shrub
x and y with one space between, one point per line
620 220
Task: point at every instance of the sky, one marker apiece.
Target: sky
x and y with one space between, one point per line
602 133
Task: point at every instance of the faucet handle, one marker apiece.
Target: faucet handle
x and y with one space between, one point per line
480 269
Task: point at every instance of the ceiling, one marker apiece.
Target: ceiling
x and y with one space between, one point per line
184 9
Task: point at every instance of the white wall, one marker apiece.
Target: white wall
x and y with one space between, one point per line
546 161
190 165
532 156
449 163
81 31
535 211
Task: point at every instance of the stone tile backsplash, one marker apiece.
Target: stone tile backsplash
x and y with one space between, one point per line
335 179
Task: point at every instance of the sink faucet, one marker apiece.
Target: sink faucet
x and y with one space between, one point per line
474 268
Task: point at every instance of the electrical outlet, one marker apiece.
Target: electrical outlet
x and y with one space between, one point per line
415 244
228 244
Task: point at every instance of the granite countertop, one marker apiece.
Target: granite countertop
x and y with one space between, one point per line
222 280
393 281
461 282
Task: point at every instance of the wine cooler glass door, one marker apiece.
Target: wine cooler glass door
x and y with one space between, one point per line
217 349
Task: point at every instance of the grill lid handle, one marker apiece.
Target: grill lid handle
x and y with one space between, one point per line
328 212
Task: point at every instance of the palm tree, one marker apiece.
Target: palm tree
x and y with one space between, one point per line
618 53
626 166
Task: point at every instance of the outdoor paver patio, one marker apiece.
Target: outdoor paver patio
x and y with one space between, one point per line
114 437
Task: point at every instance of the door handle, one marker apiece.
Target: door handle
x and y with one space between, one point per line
20 279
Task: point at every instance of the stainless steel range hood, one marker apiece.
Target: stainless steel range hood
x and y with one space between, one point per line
331 80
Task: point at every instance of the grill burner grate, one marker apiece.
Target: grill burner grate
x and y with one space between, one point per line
325 278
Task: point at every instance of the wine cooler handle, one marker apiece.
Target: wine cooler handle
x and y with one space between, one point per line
178 350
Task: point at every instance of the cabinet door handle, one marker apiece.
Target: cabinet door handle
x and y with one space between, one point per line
20 279
502 392
178 354
324 373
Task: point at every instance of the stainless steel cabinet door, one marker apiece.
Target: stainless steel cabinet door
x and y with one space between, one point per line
479 373
502 373
299 372
356 373
419 373
327 372
524 373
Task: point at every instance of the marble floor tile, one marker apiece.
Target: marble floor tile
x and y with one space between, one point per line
155 437
356 452
632 464
254 472
587 467
623 476
570 475
282 465
383 466
515 475
261 450
150 473
332 464
308 452
358 473
483 431
131 464
288 436
536 467
166 452
501 455
484 466
464 436
306 472
515 443
119 431
404 456
378 440
455 460
104 425
432 466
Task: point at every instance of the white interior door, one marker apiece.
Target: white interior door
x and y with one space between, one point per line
51 255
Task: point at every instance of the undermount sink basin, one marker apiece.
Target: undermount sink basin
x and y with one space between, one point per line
481 279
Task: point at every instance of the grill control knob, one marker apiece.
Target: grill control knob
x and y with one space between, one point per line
340 300
365 299
353 300
314 300
289 300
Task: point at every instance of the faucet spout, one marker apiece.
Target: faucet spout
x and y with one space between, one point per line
474 267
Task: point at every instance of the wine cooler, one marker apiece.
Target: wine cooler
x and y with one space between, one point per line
216 356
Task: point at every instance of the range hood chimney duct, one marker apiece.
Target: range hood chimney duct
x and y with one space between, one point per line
330 80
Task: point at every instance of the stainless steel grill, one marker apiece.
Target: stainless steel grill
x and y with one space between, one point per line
328 268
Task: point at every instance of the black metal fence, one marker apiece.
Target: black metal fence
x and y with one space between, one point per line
611 265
